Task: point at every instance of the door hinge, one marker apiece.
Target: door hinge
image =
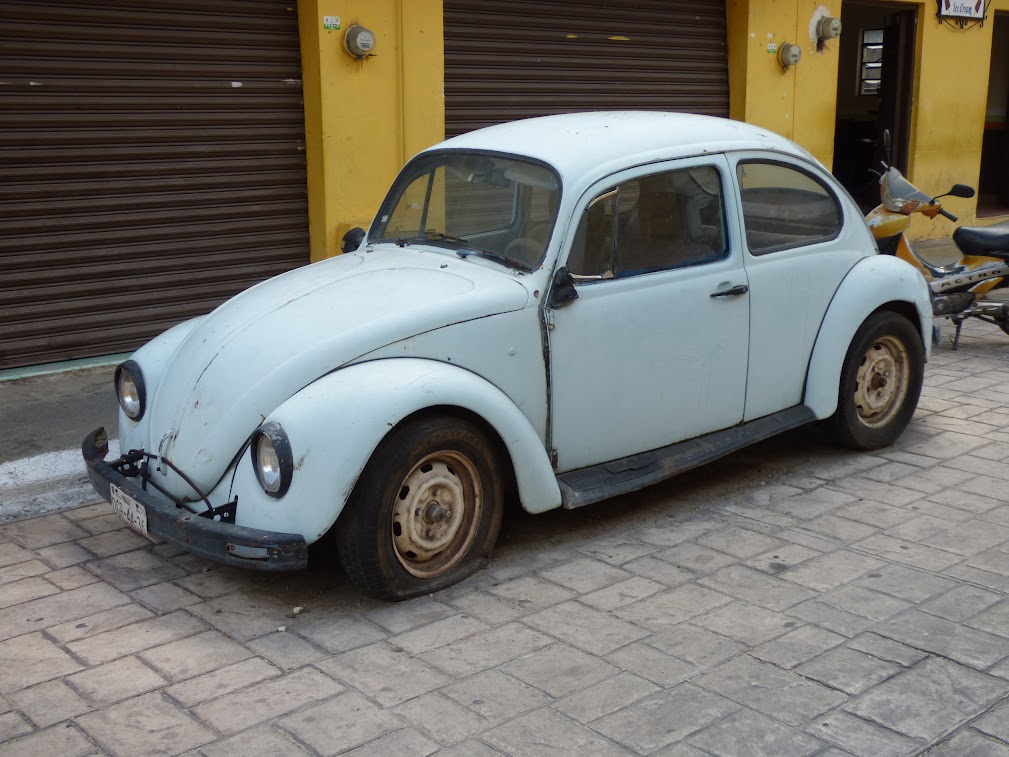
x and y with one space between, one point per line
553 458
548 318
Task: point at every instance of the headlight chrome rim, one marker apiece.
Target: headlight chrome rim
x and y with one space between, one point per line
134 406
271 439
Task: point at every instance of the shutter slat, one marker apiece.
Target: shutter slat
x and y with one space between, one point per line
154 164
520 59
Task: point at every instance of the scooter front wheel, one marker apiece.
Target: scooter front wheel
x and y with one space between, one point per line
880 383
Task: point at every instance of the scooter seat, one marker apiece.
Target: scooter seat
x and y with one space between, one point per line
992 241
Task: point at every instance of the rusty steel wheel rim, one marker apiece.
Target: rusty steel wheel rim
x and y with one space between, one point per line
882 382
436 514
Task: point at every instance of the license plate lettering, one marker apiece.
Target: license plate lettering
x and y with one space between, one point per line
129 509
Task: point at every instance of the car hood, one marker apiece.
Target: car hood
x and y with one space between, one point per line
267 343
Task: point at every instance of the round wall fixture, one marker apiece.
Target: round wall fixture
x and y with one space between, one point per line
789 54
359 41
829 28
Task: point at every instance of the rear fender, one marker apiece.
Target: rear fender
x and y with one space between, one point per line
335 424
874 282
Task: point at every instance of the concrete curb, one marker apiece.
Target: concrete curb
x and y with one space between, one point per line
46 483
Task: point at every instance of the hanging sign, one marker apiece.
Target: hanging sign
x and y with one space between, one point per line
962 8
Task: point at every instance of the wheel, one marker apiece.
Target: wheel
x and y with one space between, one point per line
425 512
880 383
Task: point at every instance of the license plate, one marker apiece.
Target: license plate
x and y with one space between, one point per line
129 509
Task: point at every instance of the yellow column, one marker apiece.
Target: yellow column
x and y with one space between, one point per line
364 119
947 125
815 110
760 91
800 102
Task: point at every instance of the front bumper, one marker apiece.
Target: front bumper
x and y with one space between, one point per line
215 540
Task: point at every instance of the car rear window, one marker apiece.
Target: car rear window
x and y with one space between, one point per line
784 207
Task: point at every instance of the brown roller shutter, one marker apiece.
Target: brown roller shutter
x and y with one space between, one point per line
153 165
510 60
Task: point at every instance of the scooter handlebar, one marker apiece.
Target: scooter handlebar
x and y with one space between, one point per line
947 214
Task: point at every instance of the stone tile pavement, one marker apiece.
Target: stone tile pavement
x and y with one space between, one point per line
791 600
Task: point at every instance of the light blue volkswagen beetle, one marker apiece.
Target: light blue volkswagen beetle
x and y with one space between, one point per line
570 308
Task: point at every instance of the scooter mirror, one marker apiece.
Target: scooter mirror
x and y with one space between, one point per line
887 144
962 190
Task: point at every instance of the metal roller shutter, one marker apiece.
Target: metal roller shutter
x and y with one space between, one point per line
153 166
510 60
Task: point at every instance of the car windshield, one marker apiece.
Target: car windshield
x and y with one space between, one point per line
498 207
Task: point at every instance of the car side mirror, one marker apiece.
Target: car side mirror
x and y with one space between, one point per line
563 290
352 239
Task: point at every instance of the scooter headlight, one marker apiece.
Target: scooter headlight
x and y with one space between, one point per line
272 459
131 390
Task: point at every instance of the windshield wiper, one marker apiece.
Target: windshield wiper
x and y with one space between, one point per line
495 256
468 248
441 237
432 236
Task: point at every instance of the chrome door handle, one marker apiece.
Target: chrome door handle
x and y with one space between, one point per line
736 290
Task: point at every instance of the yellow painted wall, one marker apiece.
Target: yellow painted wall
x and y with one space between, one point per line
364 120
814 114
950 93
797 103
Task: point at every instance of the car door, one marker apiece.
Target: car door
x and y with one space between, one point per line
799 245
653 350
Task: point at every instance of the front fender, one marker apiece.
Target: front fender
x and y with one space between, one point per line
335 424
152 358
873 282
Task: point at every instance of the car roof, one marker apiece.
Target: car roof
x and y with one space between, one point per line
583 144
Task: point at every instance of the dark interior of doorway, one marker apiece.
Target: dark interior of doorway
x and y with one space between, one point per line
993 186
875 78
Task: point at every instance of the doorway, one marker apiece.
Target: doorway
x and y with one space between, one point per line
993 185
875 79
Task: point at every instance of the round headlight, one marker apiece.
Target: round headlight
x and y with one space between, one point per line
272 459
269 465
130 389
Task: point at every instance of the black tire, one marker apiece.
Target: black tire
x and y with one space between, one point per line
425 512
880 383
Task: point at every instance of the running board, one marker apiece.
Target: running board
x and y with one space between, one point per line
586 486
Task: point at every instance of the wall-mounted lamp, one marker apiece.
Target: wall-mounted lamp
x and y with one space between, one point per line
359 41
828 28
789 55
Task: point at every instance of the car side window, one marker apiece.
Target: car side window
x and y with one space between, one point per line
658 222
591 255
784 207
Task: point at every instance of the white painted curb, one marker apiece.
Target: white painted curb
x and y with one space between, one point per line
46 483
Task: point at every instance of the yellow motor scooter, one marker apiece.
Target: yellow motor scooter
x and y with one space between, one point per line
959 289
